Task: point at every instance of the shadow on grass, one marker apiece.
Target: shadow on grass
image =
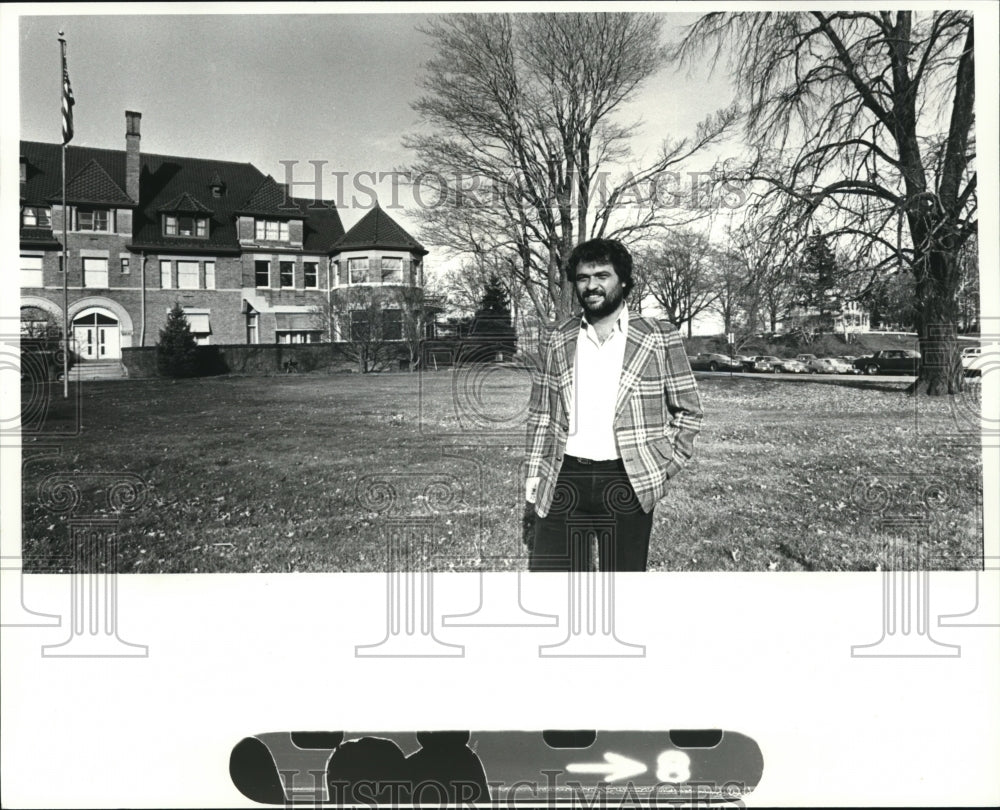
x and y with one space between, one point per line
725 381
861 384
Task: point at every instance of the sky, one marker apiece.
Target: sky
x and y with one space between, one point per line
263 88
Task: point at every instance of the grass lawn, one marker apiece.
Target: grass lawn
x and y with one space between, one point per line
315 472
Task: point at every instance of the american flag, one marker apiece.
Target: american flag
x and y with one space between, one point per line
67 99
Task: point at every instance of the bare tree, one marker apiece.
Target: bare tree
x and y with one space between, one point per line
678 272
968 287
373 326
415 312
362 327
769 265
862 122
735 293
524 135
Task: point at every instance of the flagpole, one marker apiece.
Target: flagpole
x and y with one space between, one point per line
65 218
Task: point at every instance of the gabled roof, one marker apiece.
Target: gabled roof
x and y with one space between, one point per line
184 203
92 184
43 181
377 229
165 178
270 199
170 183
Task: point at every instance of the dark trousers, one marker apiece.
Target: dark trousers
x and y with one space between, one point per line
593 500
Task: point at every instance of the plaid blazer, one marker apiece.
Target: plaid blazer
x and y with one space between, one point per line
657 415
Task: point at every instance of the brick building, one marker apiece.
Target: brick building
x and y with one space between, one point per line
247 262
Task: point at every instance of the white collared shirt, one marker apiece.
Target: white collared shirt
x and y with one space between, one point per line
596 370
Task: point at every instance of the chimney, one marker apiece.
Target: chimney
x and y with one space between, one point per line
132 154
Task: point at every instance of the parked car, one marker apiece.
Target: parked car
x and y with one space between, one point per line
820 365
889 361
839 365
710 361
789 365
976 358
849 359
757 363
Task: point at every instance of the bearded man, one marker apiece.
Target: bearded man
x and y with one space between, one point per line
613 416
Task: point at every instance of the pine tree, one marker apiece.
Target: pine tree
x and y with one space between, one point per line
818 277
492 333
177 350
493 315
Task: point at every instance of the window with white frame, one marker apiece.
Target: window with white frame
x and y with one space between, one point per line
392 270
31 271
209 275
93 219
200 325
253 331
310 275
166 282
187 275
185 225
262 273
33 216
95 272
286 274
357 271
271 230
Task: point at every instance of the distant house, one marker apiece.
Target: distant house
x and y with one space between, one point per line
852 318
247 262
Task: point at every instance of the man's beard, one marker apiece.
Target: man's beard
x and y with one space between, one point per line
603 304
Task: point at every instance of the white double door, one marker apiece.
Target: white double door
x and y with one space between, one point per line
97 341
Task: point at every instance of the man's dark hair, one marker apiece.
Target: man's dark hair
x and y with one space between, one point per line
599 251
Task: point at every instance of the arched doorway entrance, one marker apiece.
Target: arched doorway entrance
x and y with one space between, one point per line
96 335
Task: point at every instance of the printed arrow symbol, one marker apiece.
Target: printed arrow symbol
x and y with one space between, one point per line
614 767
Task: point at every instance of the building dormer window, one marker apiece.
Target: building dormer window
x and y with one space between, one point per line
217 186
182 225
93 219
35 217
271 230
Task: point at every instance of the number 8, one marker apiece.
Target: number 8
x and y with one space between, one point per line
673 766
